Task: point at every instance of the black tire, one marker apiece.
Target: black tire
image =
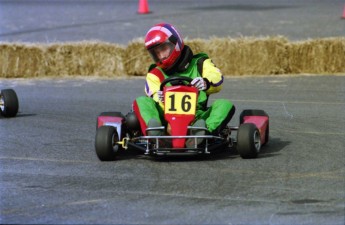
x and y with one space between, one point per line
105 143
8 103
248 141
267 134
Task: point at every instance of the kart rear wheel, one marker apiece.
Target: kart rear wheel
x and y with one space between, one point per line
248 141
256 112
106 143
8 103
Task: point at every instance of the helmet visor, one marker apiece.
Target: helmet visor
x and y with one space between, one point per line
161 52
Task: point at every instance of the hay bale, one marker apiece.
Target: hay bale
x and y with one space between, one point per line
136 59
84 58
62 59
20 60
197 45
243 56
248 56
317 56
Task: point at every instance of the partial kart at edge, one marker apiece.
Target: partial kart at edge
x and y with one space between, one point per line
9 103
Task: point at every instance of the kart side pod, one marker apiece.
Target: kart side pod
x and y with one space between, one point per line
114 119
260 119
252 133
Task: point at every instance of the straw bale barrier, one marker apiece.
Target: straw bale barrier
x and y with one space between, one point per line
317 56
242 56
136 60
61 59
250 55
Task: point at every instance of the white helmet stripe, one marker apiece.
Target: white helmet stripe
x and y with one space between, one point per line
166 31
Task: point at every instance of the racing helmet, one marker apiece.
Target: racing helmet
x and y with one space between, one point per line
164 43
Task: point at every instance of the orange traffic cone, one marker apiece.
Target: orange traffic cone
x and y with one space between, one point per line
343 17
143 7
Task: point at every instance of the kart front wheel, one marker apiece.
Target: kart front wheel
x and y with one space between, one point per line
248 141
106 143
8 103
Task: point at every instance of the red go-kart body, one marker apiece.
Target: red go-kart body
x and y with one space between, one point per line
180 107
116 132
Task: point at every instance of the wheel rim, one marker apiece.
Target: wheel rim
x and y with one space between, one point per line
257 141
2 103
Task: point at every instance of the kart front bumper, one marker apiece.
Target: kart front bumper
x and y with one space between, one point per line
153 145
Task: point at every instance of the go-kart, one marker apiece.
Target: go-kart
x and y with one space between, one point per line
8 103
116 133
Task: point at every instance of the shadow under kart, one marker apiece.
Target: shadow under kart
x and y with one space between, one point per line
116 132
8 103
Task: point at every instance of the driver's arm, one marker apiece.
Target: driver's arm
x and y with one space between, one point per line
213 75
152 85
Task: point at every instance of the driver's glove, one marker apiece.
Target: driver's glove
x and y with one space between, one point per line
160 96
199 83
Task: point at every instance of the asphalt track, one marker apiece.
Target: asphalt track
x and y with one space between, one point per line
117 21
50 172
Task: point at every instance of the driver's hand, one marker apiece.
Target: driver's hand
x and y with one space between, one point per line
199 83
160 96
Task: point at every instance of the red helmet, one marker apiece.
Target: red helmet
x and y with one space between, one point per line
164 44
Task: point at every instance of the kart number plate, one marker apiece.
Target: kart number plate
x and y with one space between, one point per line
180 103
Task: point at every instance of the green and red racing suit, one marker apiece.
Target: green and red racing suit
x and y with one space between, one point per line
216 116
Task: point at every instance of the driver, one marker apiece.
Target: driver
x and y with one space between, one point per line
173 58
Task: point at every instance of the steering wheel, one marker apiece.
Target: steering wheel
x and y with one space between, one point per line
177 80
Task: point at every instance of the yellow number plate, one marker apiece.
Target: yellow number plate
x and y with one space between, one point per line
180 103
